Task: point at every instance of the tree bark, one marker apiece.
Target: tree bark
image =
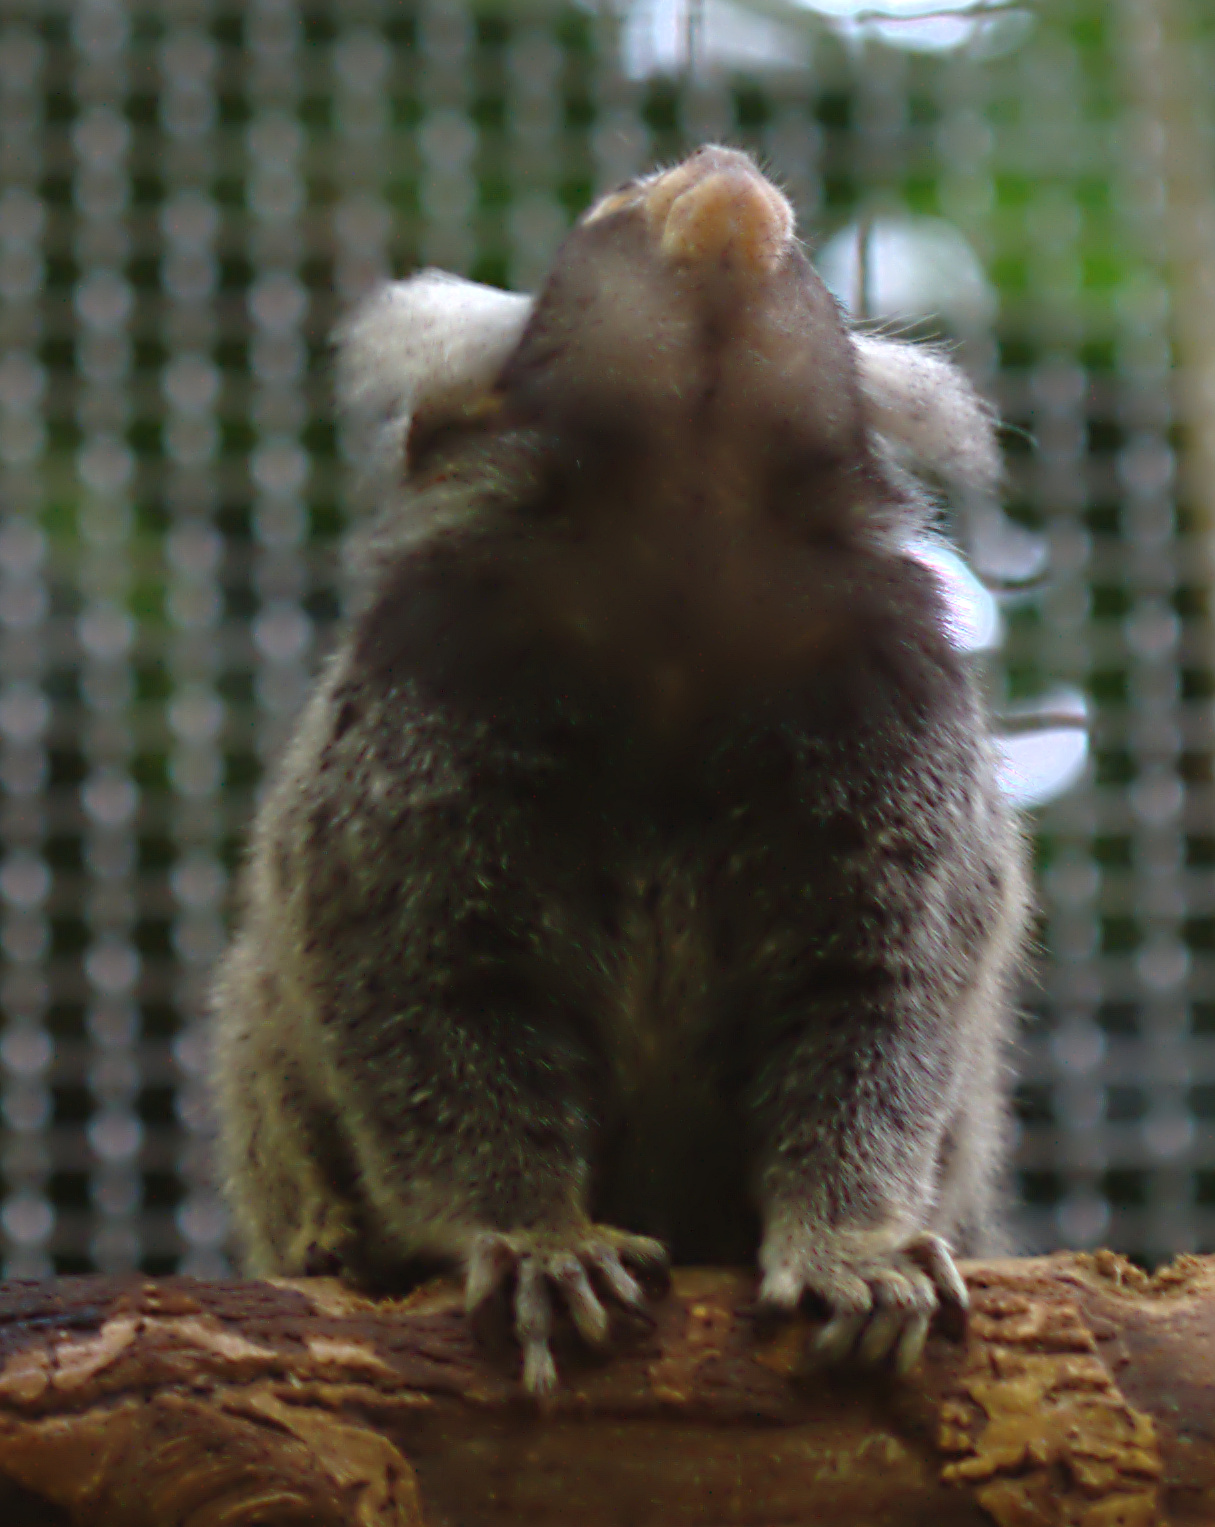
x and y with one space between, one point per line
1082 1393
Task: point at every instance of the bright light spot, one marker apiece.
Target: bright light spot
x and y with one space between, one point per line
905 24
918 267
661 36
658 37
1003 550
974 617
1034 767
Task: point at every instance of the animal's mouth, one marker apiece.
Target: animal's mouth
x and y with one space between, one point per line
714 207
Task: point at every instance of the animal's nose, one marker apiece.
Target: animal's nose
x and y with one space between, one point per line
717 205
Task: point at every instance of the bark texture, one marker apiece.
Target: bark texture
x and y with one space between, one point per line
1082 1394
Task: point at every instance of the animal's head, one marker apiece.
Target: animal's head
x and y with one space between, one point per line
680 315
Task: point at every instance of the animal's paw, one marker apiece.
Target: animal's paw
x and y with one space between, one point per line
574 1266
882 1290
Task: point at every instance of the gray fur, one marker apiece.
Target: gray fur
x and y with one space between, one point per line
927 413
418 349
433 344
637 871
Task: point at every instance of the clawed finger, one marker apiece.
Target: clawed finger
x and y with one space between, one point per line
648 1256
533 1323
587 1312
533 1311
620 1282
539 1369
488 1263
932 1254
880 1335
837 1338
911 1344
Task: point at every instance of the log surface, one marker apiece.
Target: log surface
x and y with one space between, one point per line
1081 1394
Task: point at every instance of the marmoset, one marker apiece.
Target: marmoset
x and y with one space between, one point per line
637 883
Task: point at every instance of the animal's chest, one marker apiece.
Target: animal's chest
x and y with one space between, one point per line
658 1034
674 1159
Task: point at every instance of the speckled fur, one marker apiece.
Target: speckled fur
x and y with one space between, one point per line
638 859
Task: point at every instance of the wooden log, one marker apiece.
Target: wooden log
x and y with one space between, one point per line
1082 1393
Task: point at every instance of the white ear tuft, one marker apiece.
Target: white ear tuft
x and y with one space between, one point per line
927 412
429 346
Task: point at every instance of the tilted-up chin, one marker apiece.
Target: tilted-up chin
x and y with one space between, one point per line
682 310
713 209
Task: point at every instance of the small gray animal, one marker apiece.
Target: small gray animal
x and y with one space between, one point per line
637 881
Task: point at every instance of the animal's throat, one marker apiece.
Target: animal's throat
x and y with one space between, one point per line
685 608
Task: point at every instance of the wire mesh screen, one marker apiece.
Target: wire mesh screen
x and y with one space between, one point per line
190 192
